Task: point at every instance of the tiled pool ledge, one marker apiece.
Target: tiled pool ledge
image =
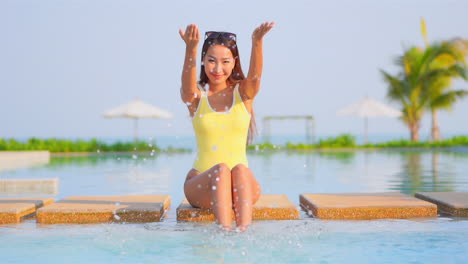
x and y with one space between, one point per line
452 203
13 210
105 209
361 206
268 207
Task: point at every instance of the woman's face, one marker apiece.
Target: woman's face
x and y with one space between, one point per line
218 63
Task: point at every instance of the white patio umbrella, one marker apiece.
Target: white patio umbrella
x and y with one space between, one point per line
366 108
135 110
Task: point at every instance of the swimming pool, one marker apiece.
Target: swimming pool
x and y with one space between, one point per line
431 240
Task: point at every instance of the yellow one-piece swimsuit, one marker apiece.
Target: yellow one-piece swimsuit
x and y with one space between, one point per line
221 136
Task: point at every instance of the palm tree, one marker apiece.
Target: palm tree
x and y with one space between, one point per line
419 80
448 66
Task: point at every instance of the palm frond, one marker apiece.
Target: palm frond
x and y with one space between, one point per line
448 99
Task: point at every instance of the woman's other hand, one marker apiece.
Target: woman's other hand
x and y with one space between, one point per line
191 36
262 30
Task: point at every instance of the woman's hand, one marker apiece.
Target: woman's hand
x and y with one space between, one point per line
191 36
261 31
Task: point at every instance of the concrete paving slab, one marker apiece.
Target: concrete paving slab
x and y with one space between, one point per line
12 160
29 186
365 206
268 207
105 209
13 210
453 203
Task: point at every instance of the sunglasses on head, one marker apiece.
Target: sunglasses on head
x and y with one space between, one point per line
216 34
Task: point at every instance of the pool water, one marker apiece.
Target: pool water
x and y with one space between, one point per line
309 240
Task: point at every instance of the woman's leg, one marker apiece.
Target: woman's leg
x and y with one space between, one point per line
245 193
211 189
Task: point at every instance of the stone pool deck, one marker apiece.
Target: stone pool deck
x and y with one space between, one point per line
105 209
13 210
268 207
452 203
362 206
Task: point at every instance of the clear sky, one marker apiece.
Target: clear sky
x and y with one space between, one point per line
63 63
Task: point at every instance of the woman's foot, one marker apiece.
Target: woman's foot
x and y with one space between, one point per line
226 228
242 228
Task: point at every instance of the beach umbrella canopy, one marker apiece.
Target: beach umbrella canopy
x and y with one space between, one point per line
135 110
366 108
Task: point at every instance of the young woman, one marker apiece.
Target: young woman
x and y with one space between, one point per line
221 107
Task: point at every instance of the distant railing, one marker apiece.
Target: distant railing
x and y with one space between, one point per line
309 126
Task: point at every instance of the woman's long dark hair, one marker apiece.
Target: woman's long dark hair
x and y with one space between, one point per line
236 76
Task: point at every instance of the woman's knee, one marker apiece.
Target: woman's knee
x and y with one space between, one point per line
240 173
240 169
221 168
221 173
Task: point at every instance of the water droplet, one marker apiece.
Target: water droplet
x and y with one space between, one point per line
193 214
209 175
224 95
243 253
134 156
188 103
199 186
190 59
214 148
216 171
211 203
305 165
118 158
152 154
98 151
257 147
217 178
195 95
116 217
213 187
235 190
201 115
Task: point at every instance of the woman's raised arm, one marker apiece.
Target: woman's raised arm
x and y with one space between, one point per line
189 91
251 85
